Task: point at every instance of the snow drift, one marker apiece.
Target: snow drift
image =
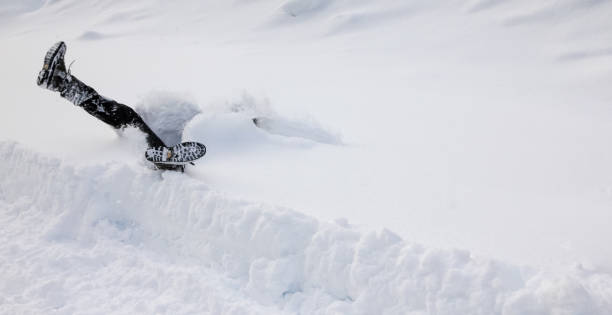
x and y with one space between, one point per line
479 124
117 238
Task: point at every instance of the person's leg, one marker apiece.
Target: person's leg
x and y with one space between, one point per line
55 77
117 115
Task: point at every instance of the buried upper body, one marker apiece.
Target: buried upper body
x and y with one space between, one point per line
55 77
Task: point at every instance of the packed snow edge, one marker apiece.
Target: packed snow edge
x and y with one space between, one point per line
276 256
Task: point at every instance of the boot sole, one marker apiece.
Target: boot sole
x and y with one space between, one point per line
52 59
180 154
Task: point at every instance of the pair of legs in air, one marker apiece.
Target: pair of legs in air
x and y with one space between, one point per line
55 77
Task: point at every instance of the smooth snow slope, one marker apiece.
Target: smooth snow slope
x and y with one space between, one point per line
477 125
114 238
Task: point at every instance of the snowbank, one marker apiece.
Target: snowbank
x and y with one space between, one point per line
477 124
113 238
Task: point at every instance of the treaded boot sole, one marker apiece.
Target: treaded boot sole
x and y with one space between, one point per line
179 154
54 55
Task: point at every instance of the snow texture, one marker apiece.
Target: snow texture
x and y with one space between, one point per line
167 114
92 35
145 243
296 129
297 8
431 126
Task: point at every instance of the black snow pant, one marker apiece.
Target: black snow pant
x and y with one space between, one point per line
119 116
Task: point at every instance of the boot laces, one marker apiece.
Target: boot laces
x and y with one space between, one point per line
69 66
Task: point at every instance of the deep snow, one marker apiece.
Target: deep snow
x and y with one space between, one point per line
115 238
458 125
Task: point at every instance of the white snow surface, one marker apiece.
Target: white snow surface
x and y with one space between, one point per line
114 238
415 157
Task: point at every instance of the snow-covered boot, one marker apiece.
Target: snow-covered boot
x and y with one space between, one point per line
54 77
54 70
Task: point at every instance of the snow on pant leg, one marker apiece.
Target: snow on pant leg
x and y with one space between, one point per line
119 116
115 114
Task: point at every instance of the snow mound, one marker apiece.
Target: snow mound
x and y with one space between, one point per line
93 35
288 128
115 238
230 127
305 7
12 8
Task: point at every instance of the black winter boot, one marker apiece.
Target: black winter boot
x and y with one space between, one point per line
54 70
54 77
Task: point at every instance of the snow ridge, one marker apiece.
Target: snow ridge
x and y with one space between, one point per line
168 243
